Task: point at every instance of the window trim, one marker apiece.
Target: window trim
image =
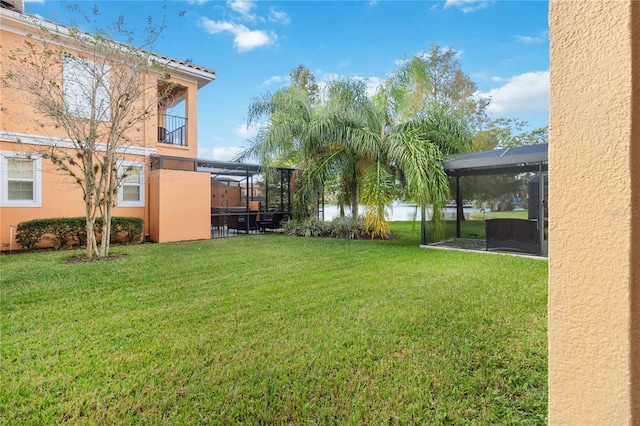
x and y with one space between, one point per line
121 201
36 201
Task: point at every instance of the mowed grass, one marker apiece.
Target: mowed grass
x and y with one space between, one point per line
274 330
514 214
473 228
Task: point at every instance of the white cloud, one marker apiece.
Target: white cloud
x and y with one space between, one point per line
244 38
539 38
528 92
197 2
247 132
225 153
273 80
497 79
467 6
373 3
278 16
34 1
372 83
528 39
244 8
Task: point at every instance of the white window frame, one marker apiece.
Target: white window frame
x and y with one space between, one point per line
78 81
36 201
121 167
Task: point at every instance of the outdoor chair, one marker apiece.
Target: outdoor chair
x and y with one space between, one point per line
274 222
512 235
240 224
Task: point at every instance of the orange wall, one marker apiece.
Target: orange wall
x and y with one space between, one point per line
180 202
61 197
191 110
17 115
221 191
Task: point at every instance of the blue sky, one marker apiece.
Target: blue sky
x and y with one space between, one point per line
502 45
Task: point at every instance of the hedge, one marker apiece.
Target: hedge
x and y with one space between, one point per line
69 231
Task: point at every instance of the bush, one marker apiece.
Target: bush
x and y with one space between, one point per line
309 227
63 232
349 228
30 233
70 231
339 227
126 229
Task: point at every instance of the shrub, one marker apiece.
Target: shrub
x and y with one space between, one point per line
339 227
66 232
127 229
30 233
349 228
309 227
63 232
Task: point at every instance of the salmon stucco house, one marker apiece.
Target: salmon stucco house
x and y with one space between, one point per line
173 200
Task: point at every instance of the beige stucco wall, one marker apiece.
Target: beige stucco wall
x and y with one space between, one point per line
594 258
180 209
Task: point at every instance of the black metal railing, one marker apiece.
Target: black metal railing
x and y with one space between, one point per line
172 130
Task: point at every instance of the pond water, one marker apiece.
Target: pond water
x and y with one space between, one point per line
398 212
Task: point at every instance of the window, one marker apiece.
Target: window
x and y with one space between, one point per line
86 85
21 180
131 192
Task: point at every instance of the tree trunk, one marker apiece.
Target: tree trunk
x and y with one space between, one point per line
105 245
91 236
354 202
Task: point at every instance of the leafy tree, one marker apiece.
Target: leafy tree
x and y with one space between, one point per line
435 80
507 133
115 90
304 79
497 191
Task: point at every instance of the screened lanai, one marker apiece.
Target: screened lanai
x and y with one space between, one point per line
245 198
507 233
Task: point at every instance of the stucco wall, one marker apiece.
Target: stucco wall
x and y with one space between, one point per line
180 206
593 258
61 197
223 195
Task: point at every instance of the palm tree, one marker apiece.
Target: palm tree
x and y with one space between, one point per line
376 154
396 156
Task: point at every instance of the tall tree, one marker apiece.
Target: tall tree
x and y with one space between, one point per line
507 133
99 92
304 79
435 79
497 191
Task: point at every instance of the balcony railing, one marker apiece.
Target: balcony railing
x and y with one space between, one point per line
172 130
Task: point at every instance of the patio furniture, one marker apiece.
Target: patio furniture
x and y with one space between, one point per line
513 235
238 221
272 221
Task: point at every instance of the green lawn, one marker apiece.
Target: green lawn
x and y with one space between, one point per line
473 228
272 330
520 214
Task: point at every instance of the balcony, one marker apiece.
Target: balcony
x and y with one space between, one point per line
172 130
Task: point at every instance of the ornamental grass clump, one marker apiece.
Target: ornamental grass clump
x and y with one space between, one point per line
340 227
349 228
